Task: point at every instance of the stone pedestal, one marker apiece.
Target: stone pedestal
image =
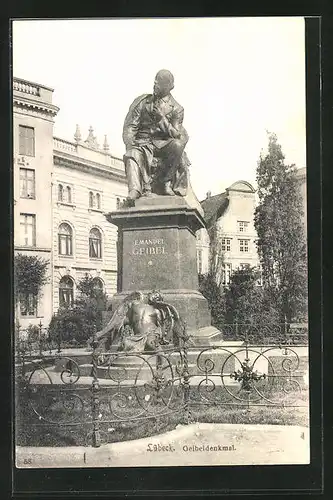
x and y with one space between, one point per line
157 250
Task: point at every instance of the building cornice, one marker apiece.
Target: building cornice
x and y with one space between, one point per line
63 160
32 105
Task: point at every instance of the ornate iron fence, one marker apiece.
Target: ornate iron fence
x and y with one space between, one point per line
93 395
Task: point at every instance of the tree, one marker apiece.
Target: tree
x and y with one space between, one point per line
281 239
30 276
216 255
77 322
214 295
246 303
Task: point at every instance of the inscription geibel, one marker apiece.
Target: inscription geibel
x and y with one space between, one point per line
154 246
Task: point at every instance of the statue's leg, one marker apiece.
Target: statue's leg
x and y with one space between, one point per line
171 155
136 172
133 178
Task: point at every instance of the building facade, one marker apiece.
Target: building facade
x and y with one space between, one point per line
61 191
231 214
33 119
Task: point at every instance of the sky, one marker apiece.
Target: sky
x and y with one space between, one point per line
235 78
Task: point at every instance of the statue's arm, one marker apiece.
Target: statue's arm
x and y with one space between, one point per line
173 126
132 120
159 319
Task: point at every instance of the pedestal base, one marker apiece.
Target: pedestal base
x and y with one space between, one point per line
157 251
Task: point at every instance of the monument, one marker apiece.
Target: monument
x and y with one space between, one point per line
157 224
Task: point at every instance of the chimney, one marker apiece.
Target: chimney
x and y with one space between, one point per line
208 194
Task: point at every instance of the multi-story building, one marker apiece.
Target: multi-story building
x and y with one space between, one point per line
61 191
231 215
33 120
87 182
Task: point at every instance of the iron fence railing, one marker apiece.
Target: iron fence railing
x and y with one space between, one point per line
38 338
78 388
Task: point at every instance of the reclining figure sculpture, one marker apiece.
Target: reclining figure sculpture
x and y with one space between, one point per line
140 325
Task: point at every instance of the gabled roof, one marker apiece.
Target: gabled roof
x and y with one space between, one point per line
214 207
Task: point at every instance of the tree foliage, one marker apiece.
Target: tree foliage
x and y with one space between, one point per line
30 274
281 239
245 301
215 298
76 323
216 254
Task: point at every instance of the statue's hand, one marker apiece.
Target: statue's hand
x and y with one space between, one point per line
157 112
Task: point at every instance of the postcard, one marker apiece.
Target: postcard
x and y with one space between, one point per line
160 242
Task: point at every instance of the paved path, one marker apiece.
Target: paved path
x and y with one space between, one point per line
195 444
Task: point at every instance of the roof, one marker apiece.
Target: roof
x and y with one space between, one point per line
214 207
301 172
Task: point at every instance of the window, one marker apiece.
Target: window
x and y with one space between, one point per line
91 199
28 230
243 226
28 304
226 273
118 203
199 261
60 193
243 245
26 141
64 194
65 239
98 201
95 200
27 183
95 244
244 266
68 195
98 285
226 243
66 291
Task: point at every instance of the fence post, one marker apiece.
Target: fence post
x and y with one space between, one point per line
59 341
95 395
40 337
236 328
186 386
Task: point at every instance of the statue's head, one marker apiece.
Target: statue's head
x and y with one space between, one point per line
154 296
137 296
164 83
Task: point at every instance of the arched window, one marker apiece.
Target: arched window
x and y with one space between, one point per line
91 199
60 192
65 239
66 291
98 201
68 194
95 244
98 285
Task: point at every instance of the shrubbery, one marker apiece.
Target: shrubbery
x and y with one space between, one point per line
76 323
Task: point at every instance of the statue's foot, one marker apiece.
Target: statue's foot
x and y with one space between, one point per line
167 190
133 195
148 194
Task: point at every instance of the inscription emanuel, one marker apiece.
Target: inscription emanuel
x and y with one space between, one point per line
153 246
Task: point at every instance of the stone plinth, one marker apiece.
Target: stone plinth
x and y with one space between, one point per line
157 250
